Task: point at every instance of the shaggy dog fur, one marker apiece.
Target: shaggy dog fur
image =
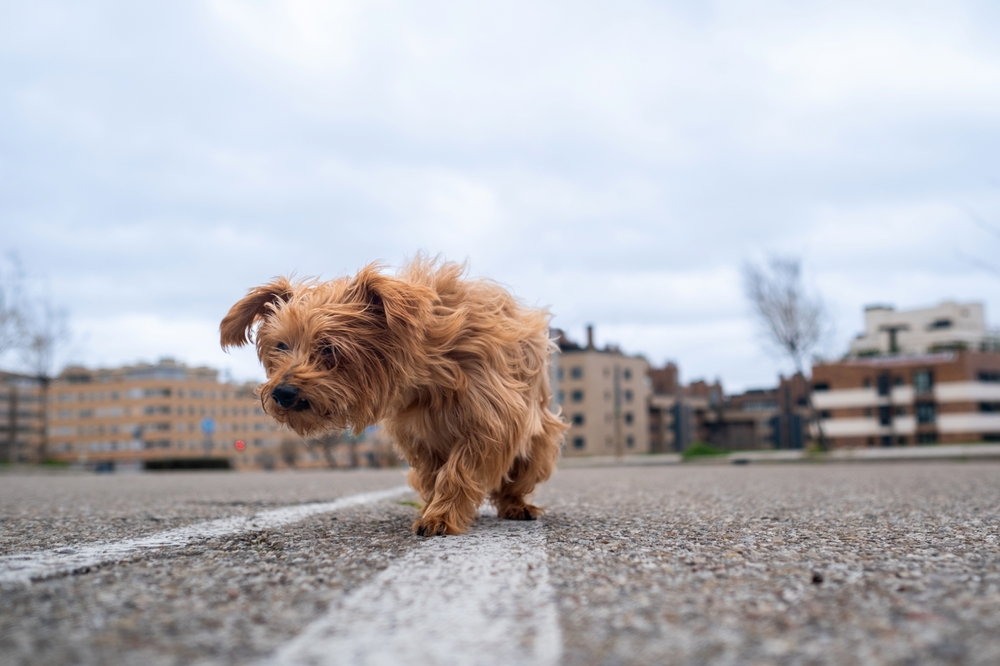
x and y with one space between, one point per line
456 368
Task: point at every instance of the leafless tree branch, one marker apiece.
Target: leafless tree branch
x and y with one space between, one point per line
11 304
792 320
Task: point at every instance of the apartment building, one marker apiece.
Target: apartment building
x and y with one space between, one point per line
20 418
676 411
949 326
946 397
762 418
604 396
163 416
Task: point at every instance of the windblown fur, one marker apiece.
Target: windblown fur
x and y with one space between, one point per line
456 369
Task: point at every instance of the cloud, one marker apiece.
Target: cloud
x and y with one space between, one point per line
616 164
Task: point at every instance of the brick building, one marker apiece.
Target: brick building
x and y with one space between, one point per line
676 412
947 397
767 418
771 418
604 396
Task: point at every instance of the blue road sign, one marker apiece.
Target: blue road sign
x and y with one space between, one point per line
208 425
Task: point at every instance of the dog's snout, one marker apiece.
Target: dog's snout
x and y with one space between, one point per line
285 395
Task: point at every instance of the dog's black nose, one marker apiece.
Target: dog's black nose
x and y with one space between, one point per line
285 395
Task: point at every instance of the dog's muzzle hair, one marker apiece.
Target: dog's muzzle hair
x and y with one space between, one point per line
287 397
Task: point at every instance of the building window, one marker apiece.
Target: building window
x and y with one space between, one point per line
885 415
559 374
898 381
577 396
902 440
561 397
883 384
867 383
627 374
630 441
578 419
886 440
925 412
926 437
628 418
628 396
825 414
576 372
821 386
989 406
923 382
991 436
578 443
989 376
901 411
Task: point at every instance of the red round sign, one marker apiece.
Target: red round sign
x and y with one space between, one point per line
240 445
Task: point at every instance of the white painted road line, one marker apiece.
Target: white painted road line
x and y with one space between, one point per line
23 568
481 599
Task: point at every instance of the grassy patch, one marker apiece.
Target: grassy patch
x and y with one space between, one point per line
415 505
702 450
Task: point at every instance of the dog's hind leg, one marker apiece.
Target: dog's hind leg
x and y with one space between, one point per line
511 498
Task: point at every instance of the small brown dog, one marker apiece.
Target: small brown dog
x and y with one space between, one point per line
457 368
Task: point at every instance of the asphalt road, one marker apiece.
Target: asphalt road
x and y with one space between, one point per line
797 564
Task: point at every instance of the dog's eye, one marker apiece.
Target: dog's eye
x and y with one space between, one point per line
329 354
282 346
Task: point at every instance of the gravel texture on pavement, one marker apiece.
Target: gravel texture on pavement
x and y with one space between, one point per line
893 564
791 564
221 601
40 512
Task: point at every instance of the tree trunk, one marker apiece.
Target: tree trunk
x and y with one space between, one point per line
43 445
814 416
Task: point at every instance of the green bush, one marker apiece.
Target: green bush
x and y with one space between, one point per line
701 449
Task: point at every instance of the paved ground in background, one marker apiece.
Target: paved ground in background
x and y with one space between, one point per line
884 563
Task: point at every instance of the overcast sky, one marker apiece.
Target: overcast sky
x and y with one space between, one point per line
616 162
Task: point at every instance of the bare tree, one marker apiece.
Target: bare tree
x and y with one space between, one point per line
11 304
290 451
44 333
988 266
328 444
793 322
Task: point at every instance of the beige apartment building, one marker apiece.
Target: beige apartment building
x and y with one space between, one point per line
948 326
171 416
604 396
163 416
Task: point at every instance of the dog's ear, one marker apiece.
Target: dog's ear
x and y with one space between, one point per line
396 303
235 327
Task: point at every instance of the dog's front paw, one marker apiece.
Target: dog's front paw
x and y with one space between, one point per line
434 526
519 512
